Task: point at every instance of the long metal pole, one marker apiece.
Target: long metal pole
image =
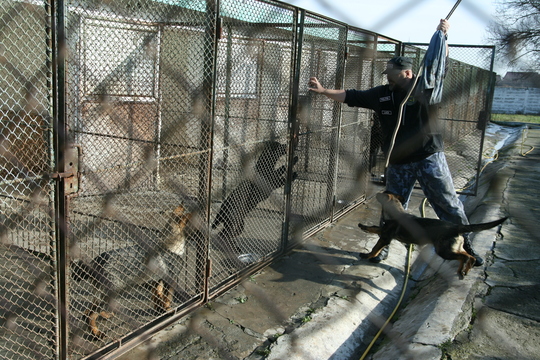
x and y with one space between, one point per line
59 146
453 9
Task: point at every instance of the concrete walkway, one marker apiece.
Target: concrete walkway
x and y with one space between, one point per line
322 302
506 318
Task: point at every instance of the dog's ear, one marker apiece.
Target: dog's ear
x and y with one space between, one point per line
179 210
181 216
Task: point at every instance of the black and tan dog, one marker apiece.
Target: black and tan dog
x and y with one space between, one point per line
153 265
446 237
250 192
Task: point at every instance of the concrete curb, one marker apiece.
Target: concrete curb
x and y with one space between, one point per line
338 329
438 311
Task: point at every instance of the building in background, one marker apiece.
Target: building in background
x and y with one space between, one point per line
517 93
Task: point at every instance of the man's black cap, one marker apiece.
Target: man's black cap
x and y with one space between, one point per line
398 63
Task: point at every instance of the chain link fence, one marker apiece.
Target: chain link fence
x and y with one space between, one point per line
154 153
28 282
464 109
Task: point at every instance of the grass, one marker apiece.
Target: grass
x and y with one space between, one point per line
263 352
445 347
241 300
307 317
532 119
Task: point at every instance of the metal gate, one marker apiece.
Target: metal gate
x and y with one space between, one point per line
155 152
29 284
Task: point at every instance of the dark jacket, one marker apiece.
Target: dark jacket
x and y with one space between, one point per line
418 136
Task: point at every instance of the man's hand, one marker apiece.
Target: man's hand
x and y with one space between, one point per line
315 85
444 26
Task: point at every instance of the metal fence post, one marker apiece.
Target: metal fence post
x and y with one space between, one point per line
296 63
59 147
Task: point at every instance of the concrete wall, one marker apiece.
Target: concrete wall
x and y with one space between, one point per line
510 100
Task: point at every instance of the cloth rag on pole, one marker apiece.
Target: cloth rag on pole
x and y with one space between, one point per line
434 67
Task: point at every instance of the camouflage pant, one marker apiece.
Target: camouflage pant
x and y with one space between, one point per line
435 180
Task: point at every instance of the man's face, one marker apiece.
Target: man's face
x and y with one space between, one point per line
398 79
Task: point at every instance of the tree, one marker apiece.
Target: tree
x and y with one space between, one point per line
517 33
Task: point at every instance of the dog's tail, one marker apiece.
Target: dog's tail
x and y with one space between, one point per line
482 226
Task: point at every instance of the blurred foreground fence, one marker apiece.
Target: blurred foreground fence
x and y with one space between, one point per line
154 153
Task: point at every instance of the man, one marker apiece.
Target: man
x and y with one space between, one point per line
416 153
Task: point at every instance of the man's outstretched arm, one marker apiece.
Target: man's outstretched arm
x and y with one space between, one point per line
315 86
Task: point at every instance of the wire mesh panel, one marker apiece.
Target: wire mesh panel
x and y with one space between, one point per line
468 86
28 306
140 100
322 55
251 134
360 139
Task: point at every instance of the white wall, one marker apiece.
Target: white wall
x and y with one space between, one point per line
507 100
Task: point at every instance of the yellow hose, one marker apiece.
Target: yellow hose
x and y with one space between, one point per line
523 143
407 273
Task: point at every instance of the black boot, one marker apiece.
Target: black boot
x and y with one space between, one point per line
467 245
382 255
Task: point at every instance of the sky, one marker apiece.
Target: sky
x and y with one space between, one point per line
411 20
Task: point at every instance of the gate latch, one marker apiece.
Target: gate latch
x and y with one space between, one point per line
70 175
63 175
